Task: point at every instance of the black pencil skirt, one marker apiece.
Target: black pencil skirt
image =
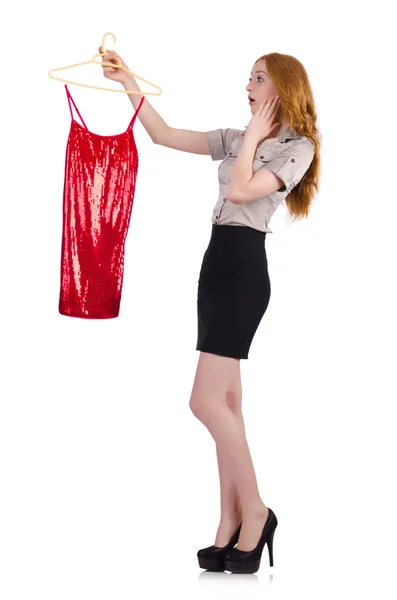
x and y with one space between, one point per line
233 290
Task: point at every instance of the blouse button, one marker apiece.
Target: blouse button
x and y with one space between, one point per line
292 160
261 157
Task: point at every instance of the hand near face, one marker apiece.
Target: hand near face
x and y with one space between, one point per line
262 121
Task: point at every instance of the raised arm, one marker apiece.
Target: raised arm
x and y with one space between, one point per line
185 140
182 139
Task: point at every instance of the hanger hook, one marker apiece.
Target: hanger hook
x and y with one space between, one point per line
103 40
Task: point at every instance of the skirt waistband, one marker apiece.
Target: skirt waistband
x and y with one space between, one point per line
235 241
244 228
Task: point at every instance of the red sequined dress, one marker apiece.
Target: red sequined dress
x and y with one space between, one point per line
98 194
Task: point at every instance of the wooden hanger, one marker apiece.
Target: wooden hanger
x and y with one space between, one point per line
106 64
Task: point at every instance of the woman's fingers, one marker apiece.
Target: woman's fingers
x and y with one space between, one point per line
108 56
113 72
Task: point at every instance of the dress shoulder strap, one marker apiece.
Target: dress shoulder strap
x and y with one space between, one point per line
69 96
135 114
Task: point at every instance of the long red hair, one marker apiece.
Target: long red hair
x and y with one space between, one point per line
297 108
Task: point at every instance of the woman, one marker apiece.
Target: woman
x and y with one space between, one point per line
276 158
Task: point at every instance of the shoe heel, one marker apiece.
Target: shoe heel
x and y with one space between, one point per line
270 546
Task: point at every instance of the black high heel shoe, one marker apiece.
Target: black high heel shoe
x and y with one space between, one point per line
211 558
248 561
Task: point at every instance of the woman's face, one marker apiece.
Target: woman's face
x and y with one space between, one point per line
260 87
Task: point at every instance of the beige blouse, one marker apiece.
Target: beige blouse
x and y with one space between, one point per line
289 156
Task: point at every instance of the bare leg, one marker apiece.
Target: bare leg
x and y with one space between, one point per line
231 514
216 374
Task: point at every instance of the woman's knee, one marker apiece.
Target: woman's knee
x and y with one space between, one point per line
203 408
233 401
217 384
234 395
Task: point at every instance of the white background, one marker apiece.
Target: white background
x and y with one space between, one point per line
109 484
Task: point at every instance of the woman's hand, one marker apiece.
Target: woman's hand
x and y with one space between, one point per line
114 73
261 123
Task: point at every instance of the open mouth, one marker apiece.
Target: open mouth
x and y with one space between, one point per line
251 100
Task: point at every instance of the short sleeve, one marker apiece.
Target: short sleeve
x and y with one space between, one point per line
220 141
291 164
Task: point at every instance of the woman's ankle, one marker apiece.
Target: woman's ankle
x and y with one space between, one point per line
255 509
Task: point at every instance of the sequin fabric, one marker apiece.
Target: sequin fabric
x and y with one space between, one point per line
98 195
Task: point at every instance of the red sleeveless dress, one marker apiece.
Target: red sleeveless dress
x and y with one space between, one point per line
98 194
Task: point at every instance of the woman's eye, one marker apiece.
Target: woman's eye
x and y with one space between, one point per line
259 77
